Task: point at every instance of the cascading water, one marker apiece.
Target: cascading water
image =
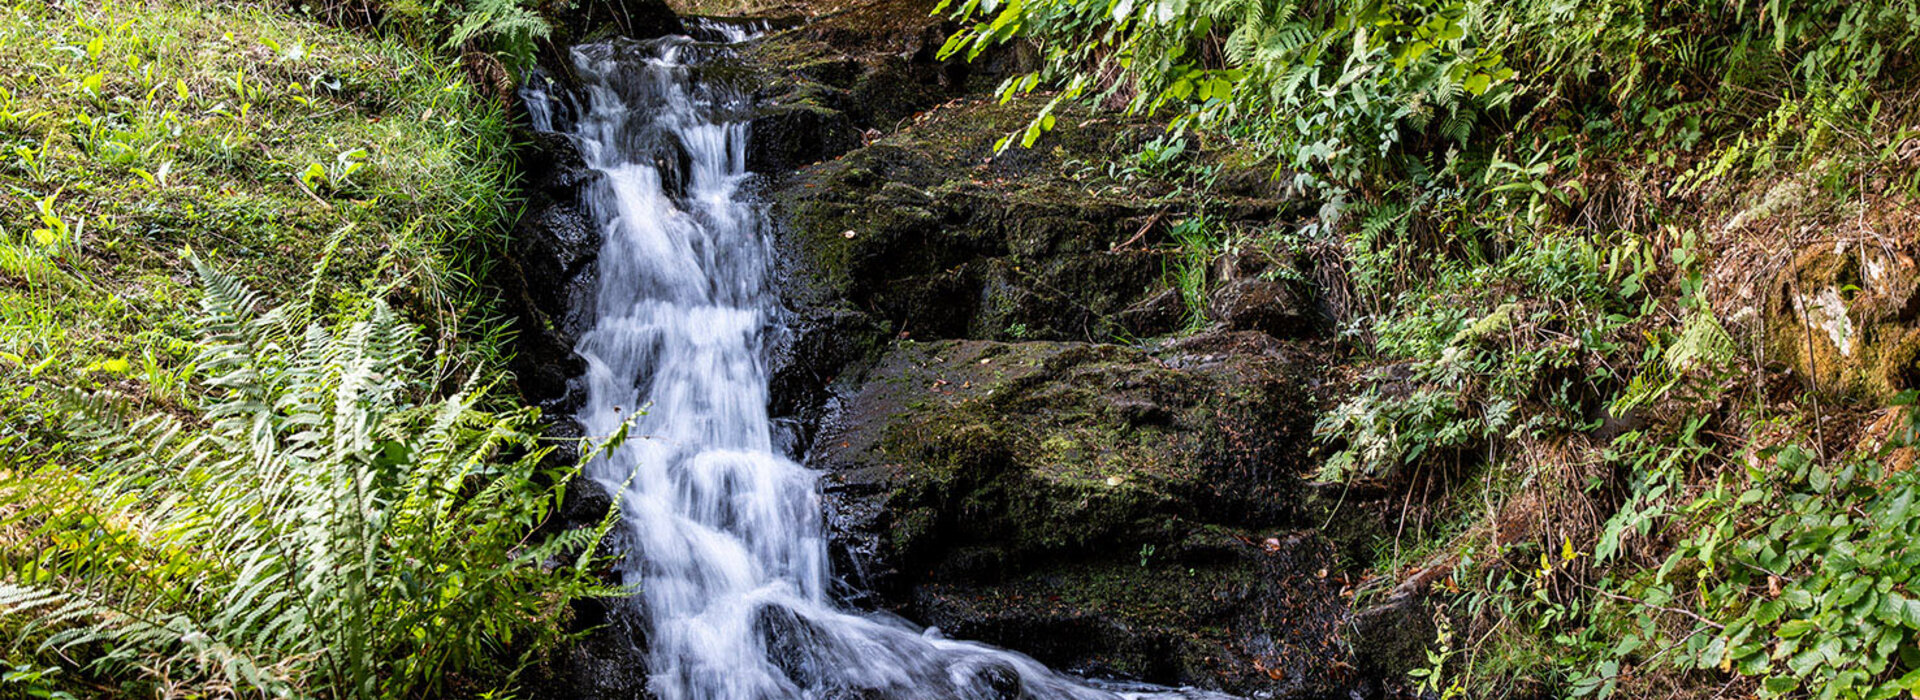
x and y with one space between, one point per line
730 556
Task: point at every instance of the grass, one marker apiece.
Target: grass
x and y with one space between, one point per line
320 163
334 171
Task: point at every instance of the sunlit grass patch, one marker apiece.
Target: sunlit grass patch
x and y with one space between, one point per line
133 130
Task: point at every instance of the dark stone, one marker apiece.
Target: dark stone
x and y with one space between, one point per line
789 136
997 681
586 502
1354 514
1104 509
933 232
790 642
1212 612
609 663
1160 314
1391 638
1268 306
548 279
639 19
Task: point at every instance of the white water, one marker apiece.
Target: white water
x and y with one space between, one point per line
730 557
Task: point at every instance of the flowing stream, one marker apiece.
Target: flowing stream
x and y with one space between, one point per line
729 551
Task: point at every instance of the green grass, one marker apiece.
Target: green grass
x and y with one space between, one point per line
318 162
338 173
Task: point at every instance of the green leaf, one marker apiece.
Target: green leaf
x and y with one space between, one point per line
1797 598
1891 610
1910 613
1795 628
1780 685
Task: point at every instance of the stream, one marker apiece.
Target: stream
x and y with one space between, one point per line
730 556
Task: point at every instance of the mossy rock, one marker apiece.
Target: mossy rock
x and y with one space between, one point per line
1848 317
1011 491
932 230
1220 609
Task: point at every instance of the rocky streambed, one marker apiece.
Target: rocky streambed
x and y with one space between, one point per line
1027 437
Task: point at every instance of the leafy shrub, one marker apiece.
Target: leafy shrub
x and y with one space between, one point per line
1798 574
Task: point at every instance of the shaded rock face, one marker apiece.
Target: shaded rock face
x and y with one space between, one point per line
932 232
1392 638
640 19
549 278
1105 509
1268 306
995 465
826 86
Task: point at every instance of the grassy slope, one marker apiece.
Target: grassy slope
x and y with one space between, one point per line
1588 372
133 130
316 163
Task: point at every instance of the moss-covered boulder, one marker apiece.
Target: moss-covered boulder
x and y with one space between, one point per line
1847 315
1104 508
824 85
931 230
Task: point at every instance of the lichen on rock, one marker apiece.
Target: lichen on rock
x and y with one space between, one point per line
1847 316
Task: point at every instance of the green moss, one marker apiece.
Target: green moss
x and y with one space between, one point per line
1841 330
1046 446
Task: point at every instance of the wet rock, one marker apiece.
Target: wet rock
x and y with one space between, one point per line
1037 446
1268 306
997 681
1102 508
1392 638
1160 314
828 83
1212 611
932 231
609 663
790 642
787 136
1355 515
587 502
548 279
640 19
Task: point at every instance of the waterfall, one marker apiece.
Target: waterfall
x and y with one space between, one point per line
729 554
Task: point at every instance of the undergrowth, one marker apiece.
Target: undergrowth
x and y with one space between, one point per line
1616 281
314 529
334 499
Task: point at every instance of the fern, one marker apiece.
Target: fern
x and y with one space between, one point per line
329 532
513 28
